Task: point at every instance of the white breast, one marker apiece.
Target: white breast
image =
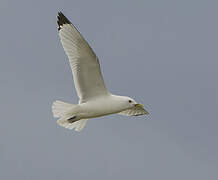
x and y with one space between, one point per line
101 106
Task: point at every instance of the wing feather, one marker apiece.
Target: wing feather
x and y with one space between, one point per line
135 111
84 63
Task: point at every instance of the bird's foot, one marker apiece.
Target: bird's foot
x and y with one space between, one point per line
72 119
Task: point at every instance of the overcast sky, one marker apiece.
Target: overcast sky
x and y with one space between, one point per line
163 53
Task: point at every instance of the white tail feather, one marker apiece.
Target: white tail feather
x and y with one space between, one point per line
78 125
60 110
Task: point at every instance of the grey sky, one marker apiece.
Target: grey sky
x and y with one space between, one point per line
162 53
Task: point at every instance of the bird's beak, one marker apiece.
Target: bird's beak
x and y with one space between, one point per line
139 105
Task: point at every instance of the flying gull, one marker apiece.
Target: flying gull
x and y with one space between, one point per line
94 98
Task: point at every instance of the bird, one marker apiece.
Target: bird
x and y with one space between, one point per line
94 98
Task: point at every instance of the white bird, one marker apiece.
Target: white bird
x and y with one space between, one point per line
94 98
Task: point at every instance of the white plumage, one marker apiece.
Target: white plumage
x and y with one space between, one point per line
84 64
95 100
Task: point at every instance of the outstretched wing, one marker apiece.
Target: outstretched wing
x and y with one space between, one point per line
84 63
135 111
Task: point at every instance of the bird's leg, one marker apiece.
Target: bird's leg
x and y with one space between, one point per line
72 119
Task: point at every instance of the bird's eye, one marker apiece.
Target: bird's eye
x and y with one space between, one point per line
130 101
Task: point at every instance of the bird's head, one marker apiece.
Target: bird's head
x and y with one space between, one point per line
129 102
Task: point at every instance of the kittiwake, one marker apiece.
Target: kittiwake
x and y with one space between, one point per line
94 98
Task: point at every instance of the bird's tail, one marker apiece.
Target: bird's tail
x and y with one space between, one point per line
61 110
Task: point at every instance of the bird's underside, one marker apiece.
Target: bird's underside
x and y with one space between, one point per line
95 100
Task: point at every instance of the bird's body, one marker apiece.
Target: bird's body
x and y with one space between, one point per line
101 106
95 99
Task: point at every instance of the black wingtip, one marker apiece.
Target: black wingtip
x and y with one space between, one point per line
62 20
